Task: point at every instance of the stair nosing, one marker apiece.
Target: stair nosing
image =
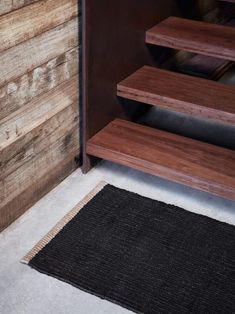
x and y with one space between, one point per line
219 182
157 36
129 89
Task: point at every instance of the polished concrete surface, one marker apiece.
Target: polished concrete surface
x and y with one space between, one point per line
26 291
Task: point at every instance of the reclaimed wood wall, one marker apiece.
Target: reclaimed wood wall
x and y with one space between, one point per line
39 112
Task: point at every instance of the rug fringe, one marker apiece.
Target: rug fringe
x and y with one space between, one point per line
60 225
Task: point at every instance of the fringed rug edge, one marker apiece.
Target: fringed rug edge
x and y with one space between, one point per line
60 225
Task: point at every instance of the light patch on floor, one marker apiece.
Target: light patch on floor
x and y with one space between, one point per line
26 291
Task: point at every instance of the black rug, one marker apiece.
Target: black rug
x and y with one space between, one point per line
142 254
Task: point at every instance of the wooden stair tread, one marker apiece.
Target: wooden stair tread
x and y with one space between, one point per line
205 67
180 159
182 93
194 36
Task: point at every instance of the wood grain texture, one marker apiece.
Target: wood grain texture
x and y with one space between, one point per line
205 66
39 91
34 19
32 143
48 146
178 92
198 37
32 53
40 186
15 94
202 166
23 177
10 5
48 132
37 112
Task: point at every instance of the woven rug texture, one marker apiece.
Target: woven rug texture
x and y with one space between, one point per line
145 255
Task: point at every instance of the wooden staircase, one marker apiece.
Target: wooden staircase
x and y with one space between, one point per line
197 164
199 37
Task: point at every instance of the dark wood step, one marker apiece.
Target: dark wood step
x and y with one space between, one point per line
199 165
191 95
194 36
205 67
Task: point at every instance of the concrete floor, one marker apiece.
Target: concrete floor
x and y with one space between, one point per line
26 291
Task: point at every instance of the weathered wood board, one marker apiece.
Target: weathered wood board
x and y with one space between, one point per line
26 175
37 112
29 146
41 183
39 95
42 79
37 51
39 119
10 5
33 20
